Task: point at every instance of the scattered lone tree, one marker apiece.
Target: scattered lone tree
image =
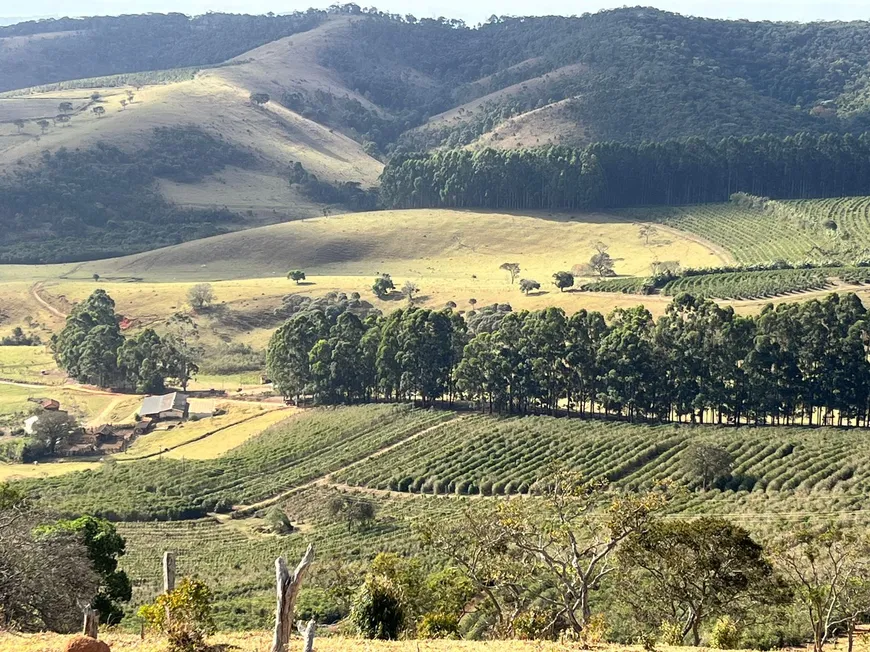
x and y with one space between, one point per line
409 289
601 262
708 463
383 285
296 275
130 96
527 285
563 280
200 296
472 302
65 107
20 124
355 512
96 277
513 269
260 98
95 97
99 111
123 104
62 118
647 231
44 125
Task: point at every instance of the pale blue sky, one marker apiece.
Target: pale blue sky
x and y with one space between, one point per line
472 11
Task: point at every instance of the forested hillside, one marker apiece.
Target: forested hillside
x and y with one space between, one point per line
47 51
630 74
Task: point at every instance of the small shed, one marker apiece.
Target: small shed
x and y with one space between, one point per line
201 408
49 404
168 406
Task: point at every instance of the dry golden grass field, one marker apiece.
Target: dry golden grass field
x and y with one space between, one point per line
260 642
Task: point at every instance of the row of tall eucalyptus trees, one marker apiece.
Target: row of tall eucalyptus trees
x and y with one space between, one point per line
792 363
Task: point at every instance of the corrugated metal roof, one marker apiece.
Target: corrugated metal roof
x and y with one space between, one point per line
158 404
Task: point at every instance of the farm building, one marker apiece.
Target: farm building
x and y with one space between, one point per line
49 404
168 406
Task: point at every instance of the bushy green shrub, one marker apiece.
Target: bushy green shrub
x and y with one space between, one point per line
377 609
725 634
184 615
438 625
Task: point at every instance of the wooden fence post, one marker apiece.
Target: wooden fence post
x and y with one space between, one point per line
91 624
288 589
168 572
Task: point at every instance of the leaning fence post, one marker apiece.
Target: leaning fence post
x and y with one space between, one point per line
168 572
287 591
91 624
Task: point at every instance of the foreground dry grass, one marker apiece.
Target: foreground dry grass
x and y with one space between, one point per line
260 642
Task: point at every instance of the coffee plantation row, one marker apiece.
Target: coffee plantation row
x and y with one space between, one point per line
285 455
495 456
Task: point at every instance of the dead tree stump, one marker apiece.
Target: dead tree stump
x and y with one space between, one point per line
287 590
308 633
91 624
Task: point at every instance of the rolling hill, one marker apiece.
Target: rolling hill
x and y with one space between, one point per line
347 88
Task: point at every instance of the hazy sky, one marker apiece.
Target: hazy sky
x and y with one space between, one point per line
472 11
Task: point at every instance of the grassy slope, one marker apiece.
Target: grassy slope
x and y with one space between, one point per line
450 255
217 101
549 125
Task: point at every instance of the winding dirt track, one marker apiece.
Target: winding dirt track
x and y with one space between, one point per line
34 292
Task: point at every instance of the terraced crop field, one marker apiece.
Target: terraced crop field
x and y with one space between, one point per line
238 562
487 455
626 285
283 456
792 230
752 285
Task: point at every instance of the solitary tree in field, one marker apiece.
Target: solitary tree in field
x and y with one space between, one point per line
99 111
96 277
646 232
472 302
200 296
44 125
260 98
527 285
95 97
296 275
601 262
383 285
20 124
513 269
708 463
65 107
563 280
123 104
409 289
130 96
62 119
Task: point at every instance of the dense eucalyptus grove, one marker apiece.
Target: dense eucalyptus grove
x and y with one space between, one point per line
611 174
794 362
